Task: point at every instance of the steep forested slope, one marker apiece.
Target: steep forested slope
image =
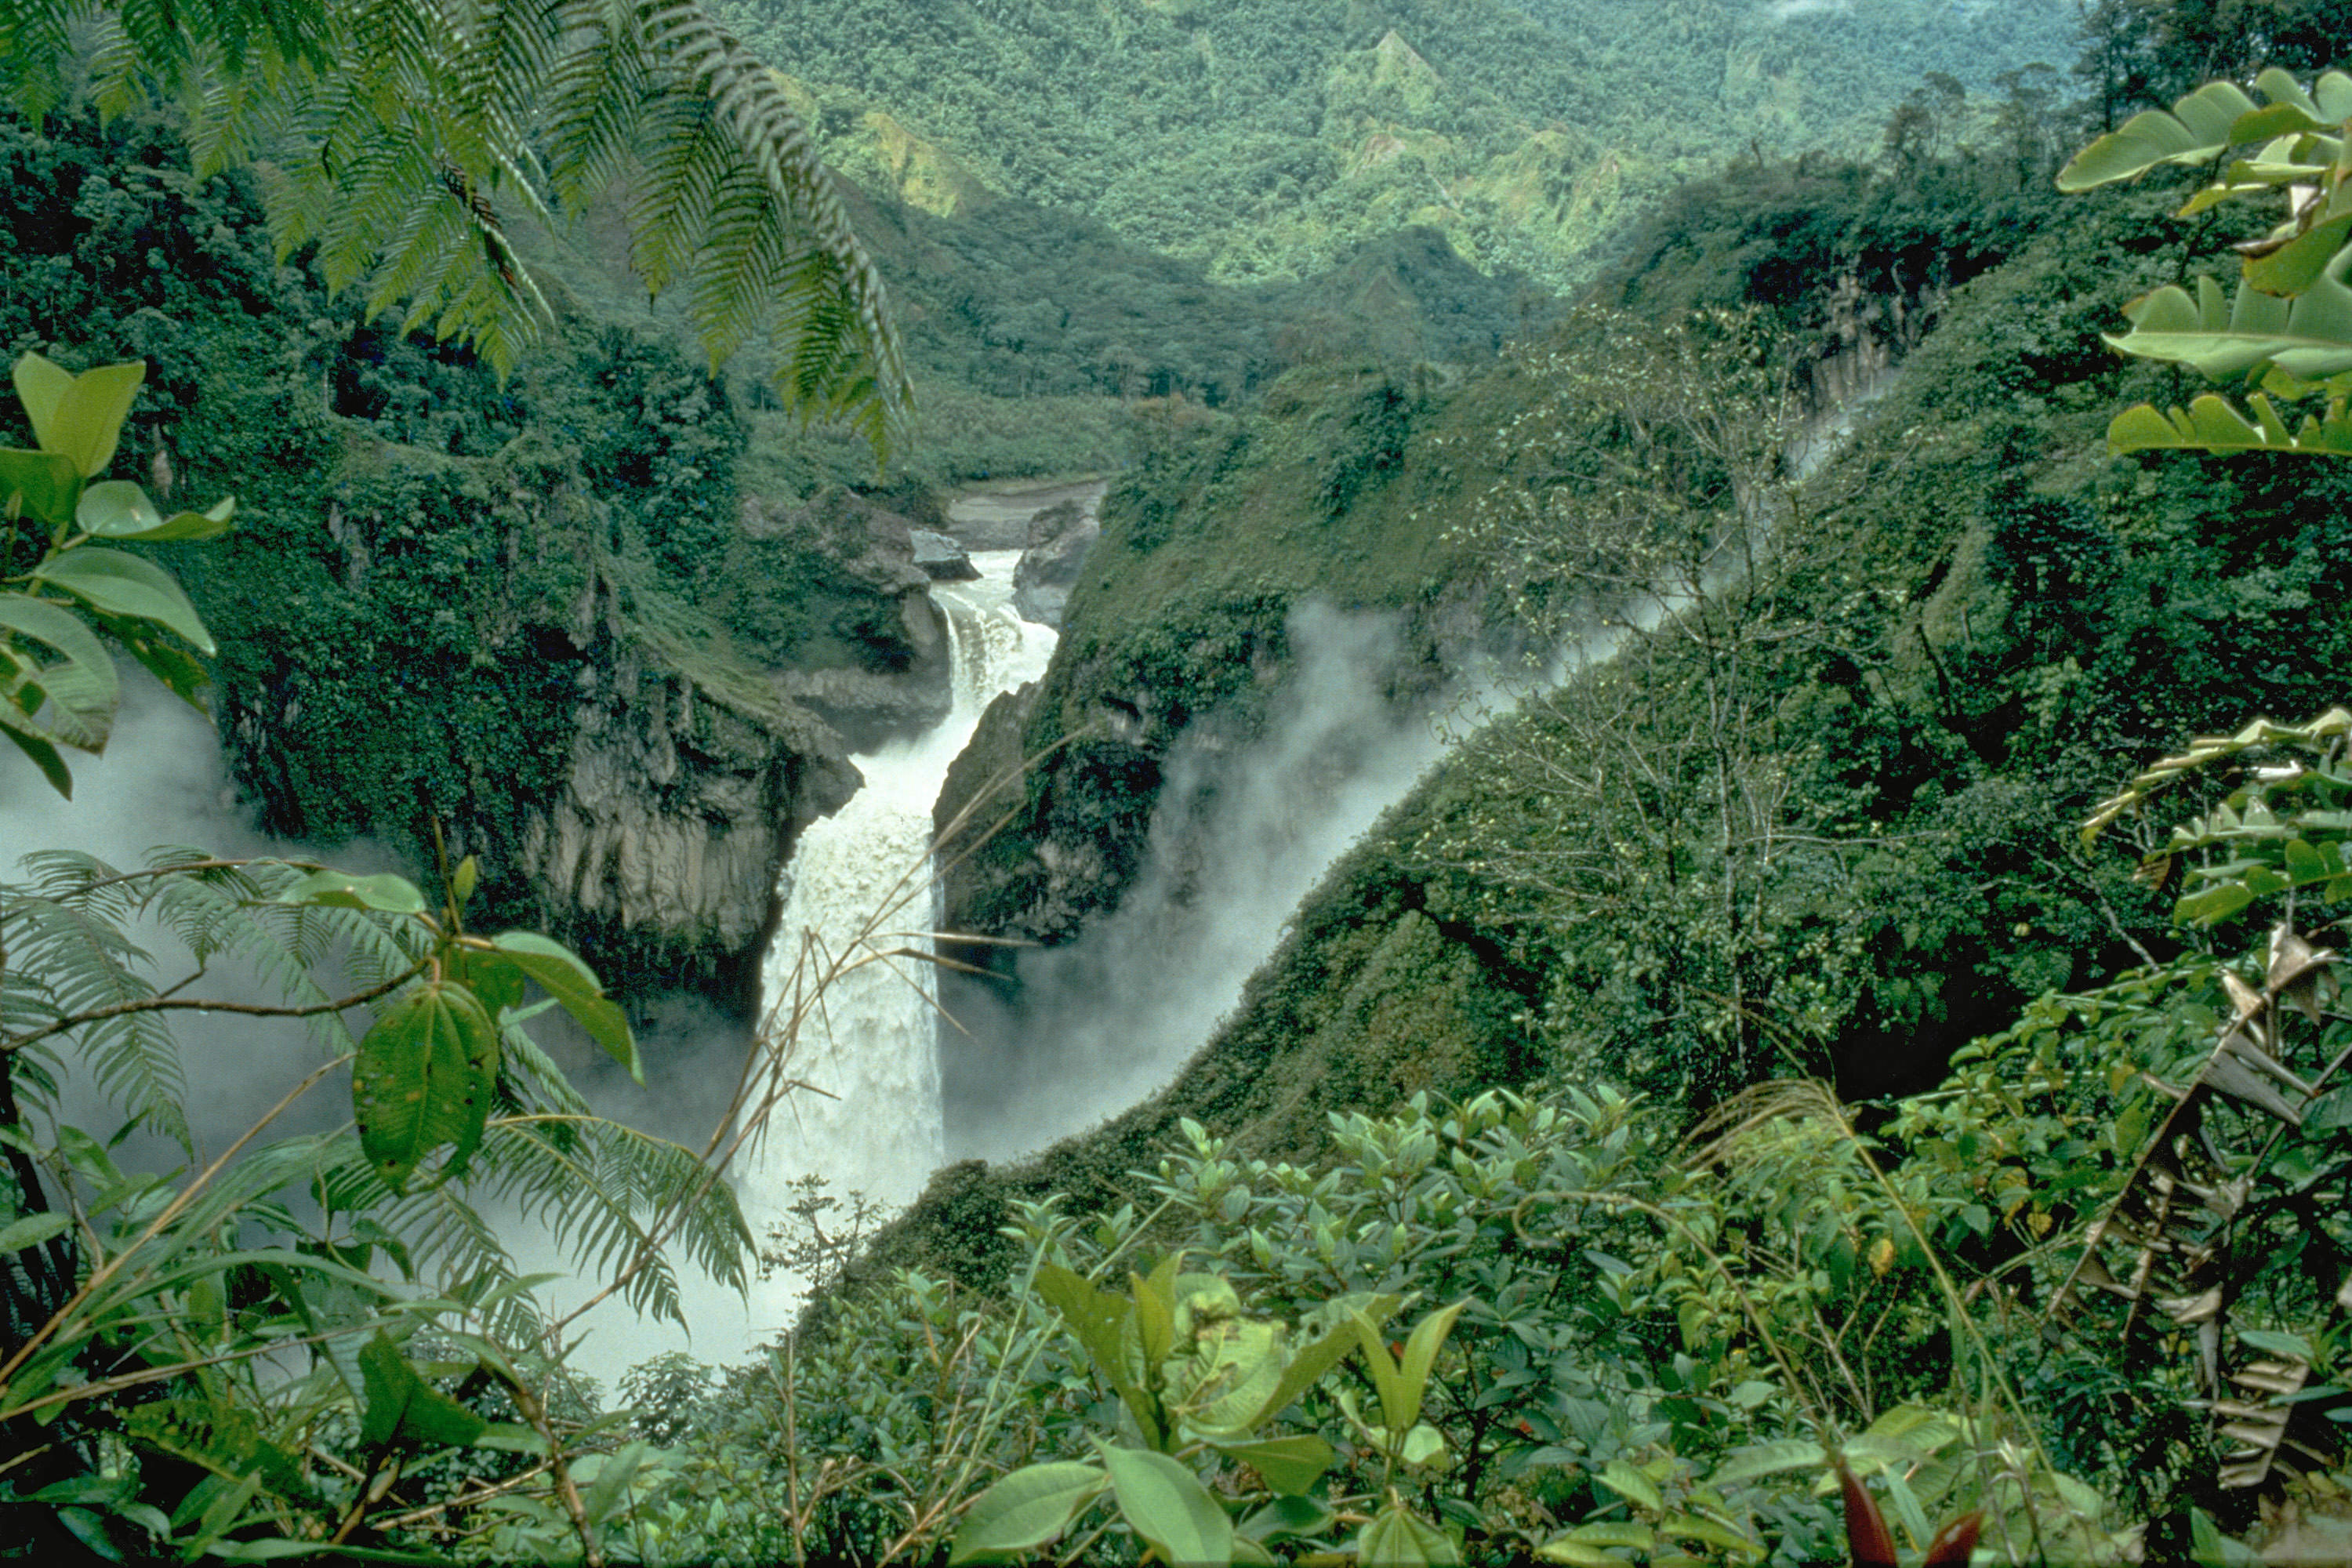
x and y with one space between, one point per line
1267 138
1971 622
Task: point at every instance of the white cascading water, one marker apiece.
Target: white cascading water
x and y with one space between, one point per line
870 1043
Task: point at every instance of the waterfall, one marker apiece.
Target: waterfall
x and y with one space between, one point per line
857 899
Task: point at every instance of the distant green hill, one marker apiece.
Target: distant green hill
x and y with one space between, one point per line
1268 139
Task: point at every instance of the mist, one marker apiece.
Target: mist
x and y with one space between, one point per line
161 780
1240 837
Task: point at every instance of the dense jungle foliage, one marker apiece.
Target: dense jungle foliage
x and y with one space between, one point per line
1798 1083
1269 138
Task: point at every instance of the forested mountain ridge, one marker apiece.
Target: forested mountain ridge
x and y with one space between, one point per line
1268 138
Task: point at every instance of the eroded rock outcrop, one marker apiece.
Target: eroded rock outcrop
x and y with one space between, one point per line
842 614
1053 552
632 756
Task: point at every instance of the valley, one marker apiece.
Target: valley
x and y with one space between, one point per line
1512 819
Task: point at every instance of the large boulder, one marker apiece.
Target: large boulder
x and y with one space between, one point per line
1053 553
942 559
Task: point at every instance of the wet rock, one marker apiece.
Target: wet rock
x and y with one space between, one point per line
1052 556
941 558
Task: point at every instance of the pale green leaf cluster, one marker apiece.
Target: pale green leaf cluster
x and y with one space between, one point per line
2286 327
59 686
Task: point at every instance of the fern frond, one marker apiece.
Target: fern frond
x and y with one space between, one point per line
73 957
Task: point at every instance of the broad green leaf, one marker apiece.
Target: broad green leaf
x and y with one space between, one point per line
32 1230
2214 905
423 1078
41 386
38 484
563 976
119 584
2224 335
402 1411
610 1488
1578 1555
1711 1533
117 509
1396 1412
2210 425
1287 1517
349 890
2200 128
1103 1324
1025 1509
2324 106
84 687
178 669
36 749
278 1549
1616 1532
1770 1459
1399 1538
1155 1311
1167 1505
80 419
1289 1464
1421 1349
2298 264
1236 1366
1631 1484
1310 1361
496 981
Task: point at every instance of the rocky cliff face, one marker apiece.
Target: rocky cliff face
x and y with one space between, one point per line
632 758
659 853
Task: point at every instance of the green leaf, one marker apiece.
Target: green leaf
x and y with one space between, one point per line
1167 1505
90 417
117 509
348 890
1396 1412
1770 1459
1288 1518
1308 1362
402 1411
2210 425
84 687
1631 1484
1567 1549
2212 905
2297 264
31 1231
2198 128
1398 1538
573 983
41 387
1289 1464
423 1078
1711 1533
116 584
78 417
2224 334
38 484
1025 1509
612 1485
42 755
1619 1533
1421 1349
